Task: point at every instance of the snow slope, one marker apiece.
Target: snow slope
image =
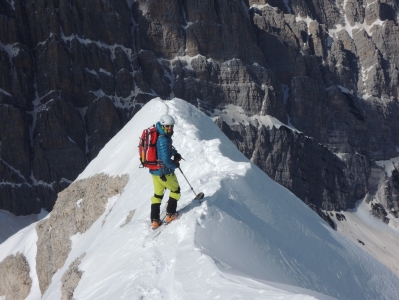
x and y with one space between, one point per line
249 239
371 234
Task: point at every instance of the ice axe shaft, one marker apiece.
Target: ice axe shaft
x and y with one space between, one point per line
197 196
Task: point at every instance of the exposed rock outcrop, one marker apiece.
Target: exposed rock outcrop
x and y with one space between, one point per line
305 166
77 208
378 211
324 215
15 282
71 278
129 217
386 199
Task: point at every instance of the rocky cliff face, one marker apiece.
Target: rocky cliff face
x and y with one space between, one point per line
74 72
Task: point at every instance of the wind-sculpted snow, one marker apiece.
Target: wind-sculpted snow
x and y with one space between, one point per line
249 225
250 238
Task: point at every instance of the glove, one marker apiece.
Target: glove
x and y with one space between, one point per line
177 165
177 157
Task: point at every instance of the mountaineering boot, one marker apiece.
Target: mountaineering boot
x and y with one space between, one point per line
156 223
170 217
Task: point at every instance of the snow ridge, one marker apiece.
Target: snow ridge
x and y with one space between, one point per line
250 238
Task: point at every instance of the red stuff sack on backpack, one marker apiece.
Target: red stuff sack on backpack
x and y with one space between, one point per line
148 149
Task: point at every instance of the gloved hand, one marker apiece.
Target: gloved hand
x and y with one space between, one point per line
177 157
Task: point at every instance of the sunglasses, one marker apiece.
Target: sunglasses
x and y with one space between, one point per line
168 126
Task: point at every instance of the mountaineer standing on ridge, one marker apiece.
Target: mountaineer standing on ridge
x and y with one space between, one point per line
165 177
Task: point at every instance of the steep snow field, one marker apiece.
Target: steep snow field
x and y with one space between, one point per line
371 234
250 238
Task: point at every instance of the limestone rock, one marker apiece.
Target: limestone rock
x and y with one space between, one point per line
15 162
379 211
324 215
103 121
153 73
303 165
342 62
392 198
59 133
280 47
48 78
324 11
76 209
71 278
15 282
383 10
386 199
14 137
244 137
129 217
340 120
355 11
227 24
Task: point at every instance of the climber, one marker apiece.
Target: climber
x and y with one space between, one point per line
165 177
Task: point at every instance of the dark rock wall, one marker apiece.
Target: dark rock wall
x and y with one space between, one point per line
303 165
66 88
72 73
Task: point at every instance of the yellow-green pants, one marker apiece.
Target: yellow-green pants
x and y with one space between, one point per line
171 184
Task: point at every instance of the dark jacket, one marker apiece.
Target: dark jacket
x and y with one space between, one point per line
165 151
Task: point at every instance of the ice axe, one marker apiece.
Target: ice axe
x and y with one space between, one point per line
197 196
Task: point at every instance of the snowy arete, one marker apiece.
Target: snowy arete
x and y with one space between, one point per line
250 238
